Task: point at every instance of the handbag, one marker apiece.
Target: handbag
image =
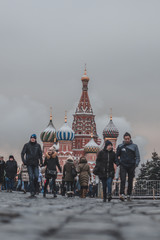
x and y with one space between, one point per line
96 171
52 172
73 172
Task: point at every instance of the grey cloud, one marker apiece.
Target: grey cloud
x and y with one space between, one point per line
44 46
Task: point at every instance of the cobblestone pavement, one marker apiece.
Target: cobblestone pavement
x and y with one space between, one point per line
63 218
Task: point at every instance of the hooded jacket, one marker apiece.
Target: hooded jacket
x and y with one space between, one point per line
67 171
11 169
128 155
84 172
105 163
31 154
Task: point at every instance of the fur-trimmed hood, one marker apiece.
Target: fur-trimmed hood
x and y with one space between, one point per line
83 160
69 161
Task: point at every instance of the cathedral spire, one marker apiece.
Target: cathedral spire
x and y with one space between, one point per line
65 117
110 114
85 80
50 114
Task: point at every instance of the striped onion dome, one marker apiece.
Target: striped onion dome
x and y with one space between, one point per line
91 147
110 131
65 133
49 134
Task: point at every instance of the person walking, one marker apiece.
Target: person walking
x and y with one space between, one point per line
11 172
2 168
105 169
69 173
128 158
51 162
19 184
32 157
84 175
25 178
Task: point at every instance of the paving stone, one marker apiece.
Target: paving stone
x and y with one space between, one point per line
63 218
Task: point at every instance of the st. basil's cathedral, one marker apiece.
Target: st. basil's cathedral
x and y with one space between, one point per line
82 139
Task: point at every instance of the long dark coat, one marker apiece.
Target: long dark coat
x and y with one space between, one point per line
105 164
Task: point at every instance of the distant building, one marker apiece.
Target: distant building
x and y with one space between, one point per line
82 139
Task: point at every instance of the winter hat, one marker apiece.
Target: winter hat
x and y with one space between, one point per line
34 136
11 156
107 143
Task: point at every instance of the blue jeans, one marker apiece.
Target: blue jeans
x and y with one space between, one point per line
9 183
107 185
24 186
33 178
18 185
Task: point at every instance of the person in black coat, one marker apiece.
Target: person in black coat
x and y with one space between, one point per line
51 162
105 169
32 157
11 172
2 168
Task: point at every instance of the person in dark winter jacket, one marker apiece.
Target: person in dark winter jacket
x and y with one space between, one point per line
32 156
2 168
51 162
68 176
128 158
105 169
84 174
11 172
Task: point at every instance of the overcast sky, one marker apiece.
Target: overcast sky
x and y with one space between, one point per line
43 48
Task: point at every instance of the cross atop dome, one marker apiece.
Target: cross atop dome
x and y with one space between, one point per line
85 79
49 133
111 114
65 119
50 113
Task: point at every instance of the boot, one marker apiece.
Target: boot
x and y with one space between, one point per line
104 197
82 193
109 197
54 194
44 193
85 193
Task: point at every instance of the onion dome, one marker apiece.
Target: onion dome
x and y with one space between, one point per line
91 146
49 134
65 133
110 131
85 77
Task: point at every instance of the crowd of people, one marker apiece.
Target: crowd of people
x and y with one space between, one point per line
37 175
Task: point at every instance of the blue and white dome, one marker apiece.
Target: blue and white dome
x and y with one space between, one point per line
65 133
